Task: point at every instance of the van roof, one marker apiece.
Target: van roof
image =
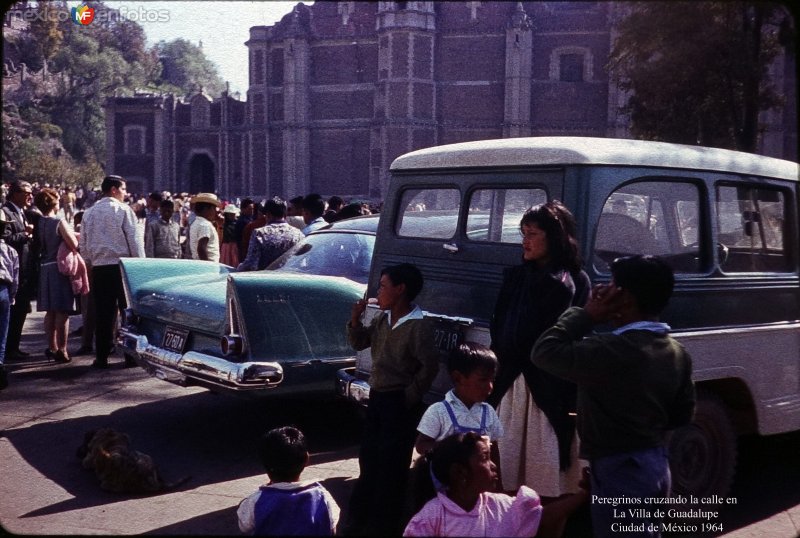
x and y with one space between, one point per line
577 150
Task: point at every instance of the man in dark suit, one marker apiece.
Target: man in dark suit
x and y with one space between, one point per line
18 234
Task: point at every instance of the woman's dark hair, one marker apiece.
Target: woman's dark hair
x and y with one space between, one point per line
469 357
45 200
559 225
456 449
283 453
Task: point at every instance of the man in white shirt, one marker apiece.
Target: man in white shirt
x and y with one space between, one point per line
108 233
203 236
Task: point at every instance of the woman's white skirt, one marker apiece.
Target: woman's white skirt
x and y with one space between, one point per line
529 447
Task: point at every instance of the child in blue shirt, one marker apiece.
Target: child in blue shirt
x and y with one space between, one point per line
286 506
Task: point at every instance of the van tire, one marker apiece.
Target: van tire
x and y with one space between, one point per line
702 454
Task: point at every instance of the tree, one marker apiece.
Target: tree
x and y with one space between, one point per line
697 72
45 30
185 66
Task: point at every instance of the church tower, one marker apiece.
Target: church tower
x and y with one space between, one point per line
405 97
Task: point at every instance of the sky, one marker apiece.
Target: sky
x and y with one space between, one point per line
223 27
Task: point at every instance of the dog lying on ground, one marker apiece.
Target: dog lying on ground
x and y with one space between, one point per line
119 467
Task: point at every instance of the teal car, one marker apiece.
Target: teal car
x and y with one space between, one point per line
280 330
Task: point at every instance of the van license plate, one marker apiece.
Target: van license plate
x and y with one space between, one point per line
175 339
446 336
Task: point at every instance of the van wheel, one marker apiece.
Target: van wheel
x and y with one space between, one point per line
702 454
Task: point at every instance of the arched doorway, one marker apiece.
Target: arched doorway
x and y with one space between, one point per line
201 174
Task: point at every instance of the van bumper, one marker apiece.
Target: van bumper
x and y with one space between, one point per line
352 387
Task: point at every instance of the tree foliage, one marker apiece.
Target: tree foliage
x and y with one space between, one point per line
185 66
697 72
45 30
55 132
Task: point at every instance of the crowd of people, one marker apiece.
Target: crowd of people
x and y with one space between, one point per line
547 414
60 247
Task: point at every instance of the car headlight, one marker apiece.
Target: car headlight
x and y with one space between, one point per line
232 344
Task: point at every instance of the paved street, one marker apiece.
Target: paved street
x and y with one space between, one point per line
47 409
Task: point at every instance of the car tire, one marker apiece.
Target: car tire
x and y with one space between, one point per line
703 453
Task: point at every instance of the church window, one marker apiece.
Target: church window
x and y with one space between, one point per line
571 64
571 68
134 139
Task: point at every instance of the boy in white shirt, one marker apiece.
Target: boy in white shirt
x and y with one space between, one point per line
472 368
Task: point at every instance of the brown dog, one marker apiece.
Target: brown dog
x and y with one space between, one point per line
119 467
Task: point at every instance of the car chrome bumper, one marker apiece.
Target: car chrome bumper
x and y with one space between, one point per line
180 368
351 387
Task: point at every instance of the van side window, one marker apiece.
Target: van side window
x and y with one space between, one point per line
656 217
751 226
494 214
431 213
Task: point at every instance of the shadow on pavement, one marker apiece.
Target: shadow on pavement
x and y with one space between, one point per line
206 436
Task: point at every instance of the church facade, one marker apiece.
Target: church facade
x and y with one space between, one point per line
337 90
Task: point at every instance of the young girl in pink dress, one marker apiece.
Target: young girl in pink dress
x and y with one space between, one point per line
469 506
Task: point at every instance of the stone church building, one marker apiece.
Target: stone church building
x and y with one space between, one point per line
337 90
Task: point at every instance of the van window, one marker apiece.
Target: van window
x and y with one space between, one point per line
657 217
751 226
494 214
431 213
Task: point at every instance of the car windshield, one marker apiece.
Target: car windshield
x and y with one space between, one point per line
332 254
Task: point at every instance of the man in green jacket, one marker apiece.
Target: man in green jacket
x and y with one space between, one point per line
634 385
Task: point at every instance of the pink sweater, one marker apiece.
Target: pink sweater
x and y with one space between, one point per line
72 265
495 514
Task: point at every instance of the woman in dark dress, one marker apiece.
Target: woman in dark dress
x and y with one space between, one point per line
539 448
56 297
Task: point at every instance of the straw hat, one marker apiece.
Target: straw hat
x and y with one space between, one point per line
207 198
231 208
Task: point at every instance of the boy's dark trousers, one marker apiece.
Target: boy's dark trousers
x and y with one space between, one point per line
378 502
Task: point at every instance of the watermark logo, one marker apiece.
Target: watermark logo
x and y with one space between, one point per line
83 15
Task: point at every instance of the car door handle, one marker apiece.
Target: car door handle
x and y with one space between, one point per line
450 247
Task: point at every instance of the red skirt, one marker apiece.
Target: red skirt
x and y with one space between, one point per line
229 254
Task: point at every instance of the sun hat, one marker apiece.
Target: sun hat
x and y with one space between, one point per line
231 208
207 198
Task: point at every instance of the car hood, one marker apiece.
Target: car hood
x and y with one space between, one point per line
189 293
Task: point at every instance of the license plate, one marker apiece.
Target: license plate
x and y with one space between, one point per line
447 336
175 339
